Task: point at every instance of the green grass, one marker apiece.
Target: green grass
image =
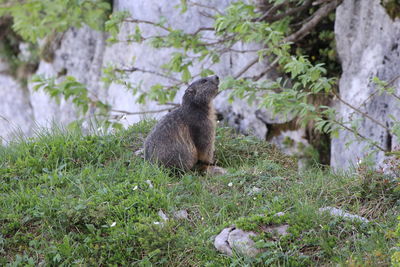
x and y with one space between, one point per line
69 199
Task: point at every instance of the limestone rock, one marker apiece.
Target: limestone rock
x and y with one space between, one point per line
79 54
254 191
368 45
221 241
16 116
340 213
181 215
278 230
232 239
215 171
150 184
241 242
163 216
139 153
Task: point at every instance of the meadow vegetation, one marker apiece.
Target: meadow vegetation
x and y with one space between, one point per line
72 199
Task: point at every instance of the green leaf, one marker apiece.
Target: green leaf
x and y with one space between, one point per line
186 76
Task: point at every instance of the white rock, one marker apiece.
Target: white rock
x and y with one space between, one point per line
16 115
241 242
221 241
181 215
277 229
149 183
340 213
139 153
162 215
233 239
367 41
254 190
215 171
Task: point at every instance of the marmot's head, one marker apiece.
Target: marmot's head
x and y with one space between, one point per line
202 91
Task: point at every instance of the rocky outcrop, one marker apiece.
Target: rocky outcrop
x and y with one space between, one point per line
16 116
80 54
368 43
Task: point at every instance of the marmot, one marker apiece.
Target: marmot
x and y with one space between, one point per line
185 136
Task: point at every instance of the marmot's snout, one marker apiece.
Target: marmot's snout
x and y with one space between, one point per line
202 91
213 89
215 79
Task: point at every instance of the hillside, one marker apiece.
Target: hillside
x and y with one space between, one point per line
69 199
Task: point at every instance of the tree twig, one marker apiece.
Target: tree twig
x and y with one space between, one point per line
362 113
321 13
248 66
133 69
142 112
273 9
205 6
202 29
270 67
290 12
359 135
132 20
317 17
376 91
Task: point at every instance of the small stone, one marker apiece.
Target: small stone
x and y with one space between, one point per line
221 241
254 190
277 229
163 216
139 153
181 215
340 213
149 183
241 242
215 171
232 239
279 214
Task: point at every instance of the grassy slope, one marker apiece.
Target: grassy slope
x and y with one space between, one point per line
74 200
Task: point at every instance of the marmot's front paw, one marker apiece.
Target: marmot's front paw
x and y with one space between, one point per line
215 171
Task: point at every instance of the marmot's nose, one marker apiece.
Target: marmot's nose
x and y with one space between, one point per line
215 78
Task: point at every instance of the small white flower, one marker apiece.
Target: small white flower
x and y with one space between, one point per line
113 224
134 188
156 223
230 184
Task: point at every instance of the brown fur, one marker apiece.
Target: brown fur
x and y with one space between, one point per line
186 135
